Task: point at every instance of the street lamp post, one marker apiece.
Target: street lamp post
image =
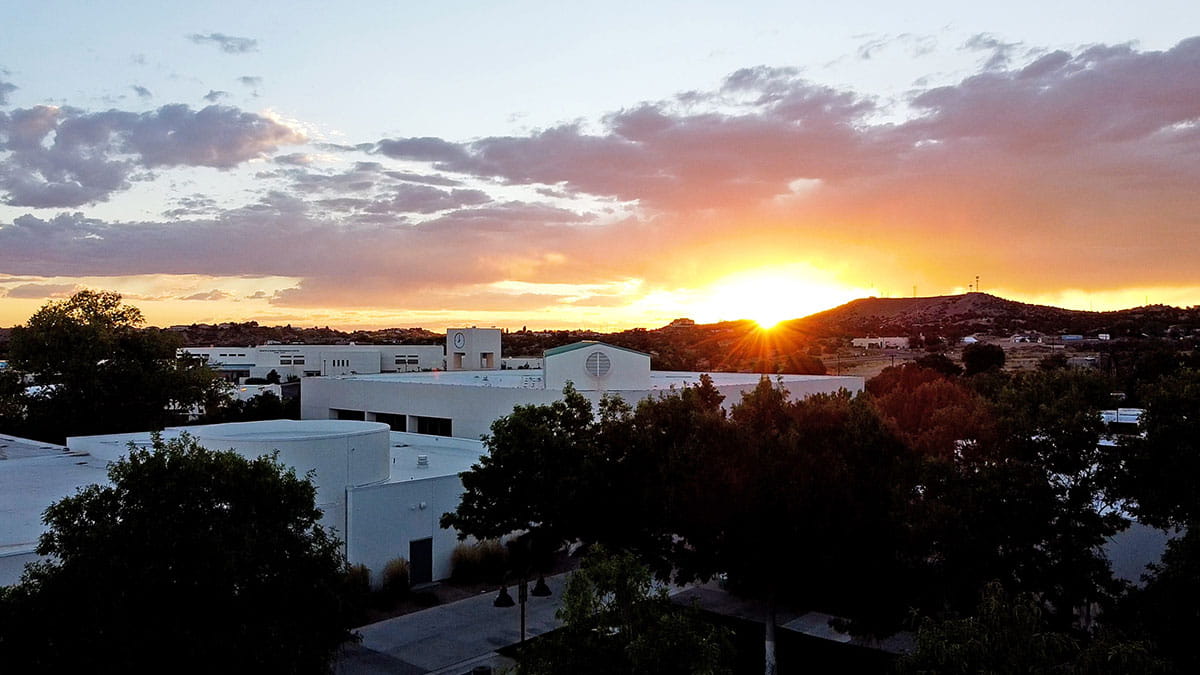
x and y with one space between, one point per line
504 599
540 589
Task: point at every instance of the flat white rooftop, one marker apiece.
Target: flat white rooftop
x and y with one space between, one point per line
444 456
526 379
34 476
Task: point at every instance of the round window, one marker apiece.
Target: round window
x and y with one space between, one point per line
597 364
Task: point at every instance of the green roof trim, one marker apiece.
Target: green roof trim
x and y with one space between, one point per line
554 351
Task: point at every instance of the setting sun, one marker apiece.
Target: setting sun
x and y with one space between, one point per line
768 296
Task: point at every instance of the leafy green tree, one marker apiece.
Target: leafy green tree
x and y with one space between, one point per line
807 503
981 358
12 401
616 620
1164 610
264 406
547 469
792 500
1161 468
1024 504
940 363
1010 635
191 559
98 371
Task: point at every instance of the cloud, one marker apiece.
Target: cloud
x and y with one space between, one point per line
141 91
60 157
211 295
193 205
229 44
294 159
6 88
1056 169
214 95
250 80
914 45
421 149
40 291
1002 53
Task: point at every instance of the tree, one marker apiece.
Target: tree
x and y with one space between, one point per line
932 413
1164 610
547 468
981 358
264 406
615 620
1024 504
204 560
807 504
1161 467
1010 635
793 500
941 363
98 372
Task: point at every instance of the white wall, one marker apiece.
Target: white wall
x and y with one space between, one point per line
384 519
473 408
300 359
627 370
345 454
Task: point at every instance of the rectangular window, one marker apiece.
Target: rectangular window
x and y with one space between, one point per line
434 426
350 415
396 422
298 360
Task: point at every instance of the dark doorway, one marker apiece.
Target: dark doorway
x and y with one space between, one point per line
420 561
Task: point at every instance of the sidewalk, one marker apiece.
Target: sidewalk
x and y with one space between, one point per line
451 638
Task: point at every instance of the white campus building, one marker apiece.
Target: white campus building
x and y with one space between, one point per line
382 492
465 349
465 403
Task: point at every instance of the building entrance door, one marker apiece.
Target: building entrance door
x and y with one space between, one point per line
420 561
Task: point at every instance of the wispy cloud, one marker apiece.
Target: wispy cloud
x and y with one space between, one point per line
230 44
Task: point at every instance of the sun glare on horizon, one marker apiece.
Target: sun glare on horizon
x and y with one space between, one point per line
769 296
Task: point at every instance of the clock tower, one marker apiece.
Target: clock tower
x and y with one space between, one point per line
472 348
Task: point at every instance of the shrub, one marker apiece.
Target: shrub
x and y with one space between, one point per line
395 579
356 593
481 561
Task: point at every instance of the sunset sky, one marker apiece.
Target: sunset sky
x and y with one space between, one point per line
604 165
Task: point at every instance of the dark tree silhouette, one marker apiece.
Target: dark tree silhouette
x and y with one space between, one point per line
203 560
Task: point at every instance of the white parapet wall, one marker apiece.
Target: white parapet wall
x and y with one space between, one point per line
339 454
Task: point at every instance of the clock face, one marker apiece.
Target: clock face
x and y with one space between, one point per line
459 340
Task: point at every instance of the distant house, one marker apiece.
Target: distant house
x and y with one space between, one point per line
880 342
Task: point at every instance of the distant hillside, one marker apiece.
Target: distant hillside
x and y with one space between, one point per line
957 315
249 334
